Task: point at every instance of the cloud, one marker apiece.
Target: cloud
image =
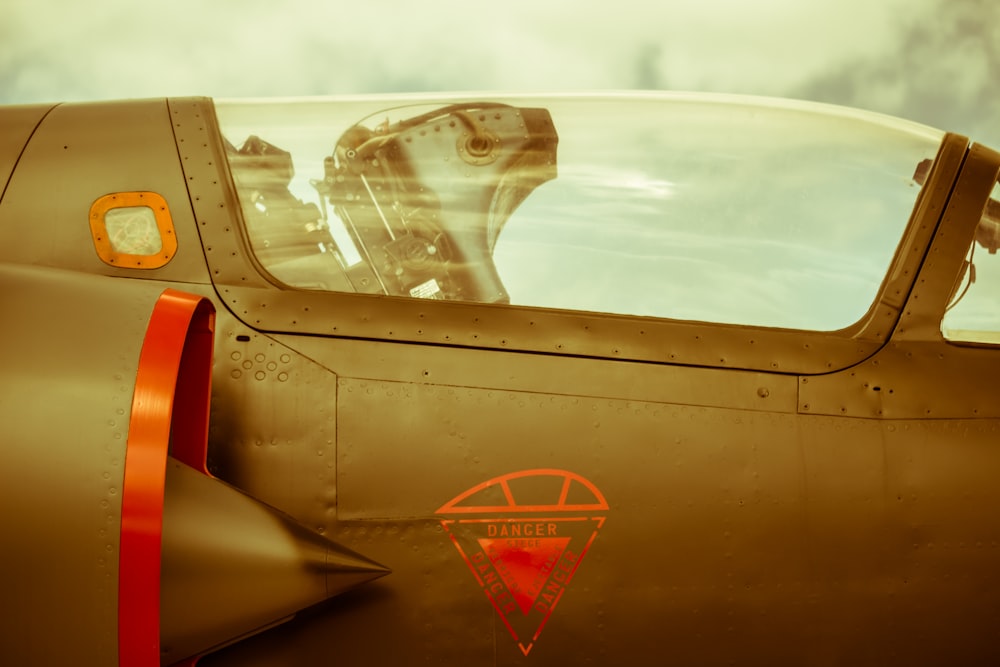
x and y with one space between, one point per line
924 59
940 69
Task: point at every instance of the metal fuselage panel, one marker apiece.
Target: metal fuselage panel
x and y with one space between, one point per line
789 511
79 153
16 125
70 356
250 293
801 519
730 524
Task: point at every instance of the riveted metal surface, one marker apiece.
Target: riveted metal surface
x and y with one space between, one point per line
882 318
458 435
941 477
565 376
725 528
273 424
924 221
553 332
16 125
702 504
233 566
917 373
214 200
69 363
79 153
921 319
792 512
461 633
262 305
910 379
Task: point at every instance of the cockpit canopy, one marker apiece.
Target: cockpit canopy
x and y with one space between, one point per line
709 208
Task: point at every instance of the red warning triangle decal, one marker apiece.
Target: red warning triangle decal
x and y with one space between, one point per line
521 568
523 536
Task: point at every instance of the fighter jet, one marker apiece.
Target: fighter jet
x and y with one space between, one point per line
487 379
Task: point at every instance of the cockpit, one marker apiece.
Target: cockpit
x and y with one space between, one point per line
419 202
688 207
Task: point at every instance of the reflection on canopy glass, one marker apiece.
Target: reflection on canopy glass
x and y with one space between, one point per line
714 209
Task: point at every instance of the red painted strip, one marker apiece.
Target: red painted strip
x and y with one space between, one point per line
506 493
454 505
564 492
189 424
158 379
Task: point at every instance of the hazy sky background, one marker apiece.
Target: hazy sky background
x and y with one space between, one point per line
934 61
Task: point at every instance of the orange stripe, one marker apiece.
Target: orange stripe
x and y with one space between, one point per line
454 505
145 464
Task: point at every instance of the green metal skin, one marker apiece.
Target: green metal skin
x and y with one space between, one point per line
773 497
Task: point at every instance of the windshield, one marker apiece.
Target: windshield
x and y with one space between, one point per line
715 209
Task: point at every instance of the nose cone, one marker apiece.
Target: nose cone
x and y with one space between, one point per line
232 566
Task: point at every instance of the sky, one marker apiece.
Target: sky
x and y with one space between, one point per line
936 62
933 61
